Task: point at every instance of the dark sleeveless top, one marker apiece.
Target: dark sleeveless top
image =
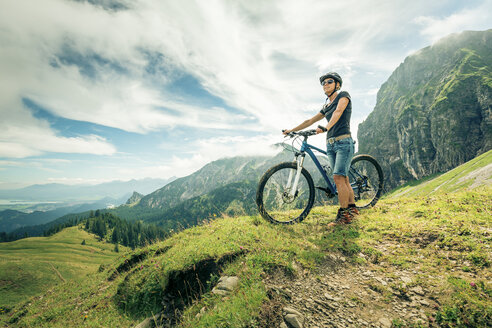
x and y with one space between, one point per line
343 125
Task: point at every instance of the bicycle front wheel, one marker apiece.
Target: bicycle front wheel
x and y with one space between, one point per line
366 179
276 199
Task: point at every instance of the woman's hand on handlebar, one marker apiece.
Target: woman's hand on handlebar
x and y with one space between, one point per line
286 132
320 129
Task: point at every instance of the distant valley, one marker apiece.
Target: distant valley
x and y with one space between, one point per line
41 204
55 193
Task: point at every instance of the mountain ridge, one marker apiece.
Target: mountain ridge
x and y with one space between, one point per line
64 192
435 110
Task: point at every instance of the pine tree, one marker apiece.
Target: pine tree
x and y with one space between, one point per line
125 239
100 228
115 237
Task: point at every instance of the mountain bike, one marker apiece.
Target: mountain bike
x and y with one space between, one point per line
286 192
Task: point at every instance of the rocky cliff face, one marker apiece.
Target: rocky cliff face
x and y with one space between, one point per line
435 111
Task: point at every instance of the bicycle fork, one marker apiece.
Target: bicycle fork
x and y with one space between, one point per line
293 190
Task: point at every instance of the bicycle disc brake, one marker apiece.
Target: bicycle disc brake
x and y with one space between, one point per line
288 198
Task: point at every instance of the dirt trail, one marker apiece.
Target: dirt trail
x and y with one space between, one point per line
346 295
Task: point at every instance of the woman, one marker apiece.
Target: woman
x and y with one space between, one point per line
339 143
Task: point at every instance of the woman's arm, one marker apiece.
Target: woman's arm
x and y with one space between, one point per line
306 123
342 104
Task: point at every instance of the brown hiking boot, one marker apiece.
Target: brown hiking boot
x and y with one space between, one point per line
343 217
354 211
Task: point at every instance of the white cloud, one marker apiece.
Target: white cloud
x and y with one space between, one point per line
12 163
239 146
17 150
233 49
55 161
33 138
372 92
32 37
477 18
207 150
260 57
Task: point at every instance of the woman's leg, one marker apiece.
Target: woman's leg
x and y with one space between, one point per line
345 193
351 199
344 150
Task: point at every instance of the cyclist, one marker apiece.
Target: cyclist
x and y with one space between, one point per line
340 146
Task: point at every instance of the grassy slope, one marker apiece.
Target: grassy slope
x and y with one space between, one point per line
445 239
33 265
476 171
441 239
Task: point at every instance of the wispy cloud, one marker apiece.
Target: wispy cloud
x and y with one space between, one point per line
241 53
206 150
251 67
33 140
477 18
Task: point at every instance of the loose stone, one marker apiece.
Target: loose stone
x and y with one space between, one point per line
226 285
293 320
385 322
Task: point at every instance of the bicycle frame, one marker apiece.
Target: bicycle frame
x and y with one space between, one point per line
307 148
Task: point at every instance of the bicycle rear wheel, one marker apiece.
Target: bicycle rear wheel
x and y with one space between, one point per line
366 179
275 199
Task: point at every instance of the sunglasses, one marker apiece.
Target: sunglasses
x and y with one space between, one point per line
327 82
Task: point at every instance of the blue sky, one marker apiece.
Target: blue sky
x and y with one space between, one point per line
94 91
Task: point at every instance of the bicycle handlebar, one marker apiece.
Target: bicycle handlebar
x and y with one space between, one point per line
306 133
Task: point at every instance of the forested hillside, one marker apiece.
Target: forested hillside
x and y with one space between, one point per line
11 220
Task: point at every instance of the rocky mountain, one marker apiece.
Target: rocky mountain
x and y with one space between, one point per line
435 111
32 220
233 199
212 176
135 198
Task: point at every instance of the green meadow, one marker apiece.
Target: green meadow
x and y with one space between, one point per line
33 265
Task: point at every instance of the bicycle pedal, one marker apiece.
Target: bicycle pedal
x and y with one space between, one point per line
327 192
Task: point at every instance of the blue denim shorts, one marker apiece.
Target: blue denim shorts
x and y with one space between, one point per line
340 155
